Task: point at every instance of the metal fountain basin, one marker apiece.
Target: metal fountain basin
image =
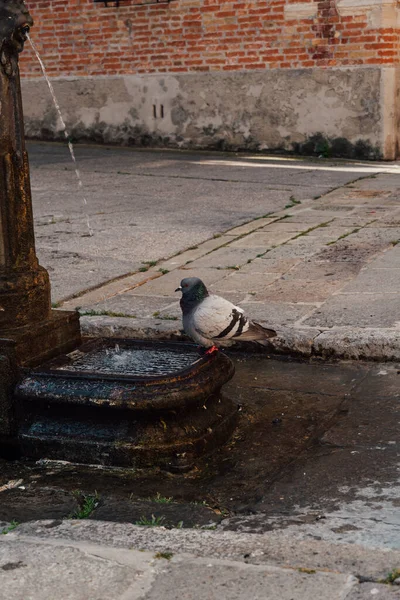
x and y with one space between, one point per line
127 403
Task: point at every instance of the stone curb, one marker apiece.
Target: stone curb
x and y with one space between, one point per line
339 342
50 566
276 548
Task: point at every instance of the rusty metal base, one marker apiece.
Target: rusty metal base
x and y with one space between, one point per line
37 342
165 421
123 441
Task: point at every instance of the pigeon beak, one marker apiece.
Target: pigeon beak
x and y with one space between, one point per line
179 289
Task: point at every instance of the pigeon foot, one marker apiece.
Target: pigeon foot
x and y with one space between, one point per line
212 350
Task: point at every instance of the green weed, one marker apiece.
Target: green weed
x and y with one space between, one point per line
152 522
292 202
166 555
10 527
345 235
162 499
87 507
391 577
149 263
90 312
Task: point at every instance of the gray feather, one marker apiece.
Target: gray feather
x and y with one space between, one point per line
210 319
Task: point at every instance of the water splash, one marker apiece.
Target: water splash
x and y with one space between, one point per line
64 129
132 361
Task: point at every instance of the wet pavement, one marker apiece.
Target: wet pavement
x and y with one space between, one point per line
316 453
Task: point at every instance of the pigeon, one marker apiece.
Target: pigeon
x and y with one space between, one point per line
209 319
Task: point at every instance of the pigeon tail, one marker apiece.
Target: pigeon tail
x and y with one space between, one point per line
257 332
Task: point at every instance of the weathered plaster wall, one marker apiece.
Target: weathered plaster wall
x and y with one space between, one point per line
264 110
217 73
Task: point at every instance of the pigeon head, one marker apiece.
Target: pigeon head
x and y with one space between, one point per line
193 292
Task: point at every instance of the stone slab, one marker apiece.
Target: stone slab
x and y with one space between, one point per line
252 226
300 290
123 327
228 257
301 247
38 571
327 235
389 260
286 225
314 270
276 548
220 580
134 305
266 238
370 280
358 310
350 197
244 282
380 181
197 251
166 285
366 591
278 314
109 290
270 265
358 343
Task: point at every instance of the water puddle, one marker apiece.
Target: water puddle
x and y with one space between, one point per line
313 454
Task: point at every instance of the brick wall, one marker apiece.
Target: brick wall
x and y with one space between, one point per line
233 74
82 38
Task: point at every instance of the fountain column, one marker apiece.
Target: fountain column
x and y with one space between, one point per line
24 284
29 330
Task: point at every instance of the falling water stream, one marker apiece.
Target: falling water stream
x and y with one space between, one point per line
64 129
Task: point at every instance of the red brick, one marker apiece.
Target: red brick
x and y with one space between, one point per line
80 37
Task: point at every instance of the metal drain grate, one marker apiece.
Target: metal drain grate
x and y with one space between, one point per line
131 361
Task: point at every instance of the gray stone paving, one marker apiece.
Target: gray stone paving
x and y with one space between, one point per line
102 561
318 269
321 271
314 266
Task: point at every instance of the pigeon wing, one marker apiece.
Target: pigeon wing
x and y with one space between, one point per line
218 319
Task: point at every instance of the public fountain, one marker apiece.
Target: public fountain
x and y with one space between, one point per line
147 404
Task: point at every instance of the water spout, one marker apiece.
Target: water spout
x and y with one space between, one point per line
64 129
